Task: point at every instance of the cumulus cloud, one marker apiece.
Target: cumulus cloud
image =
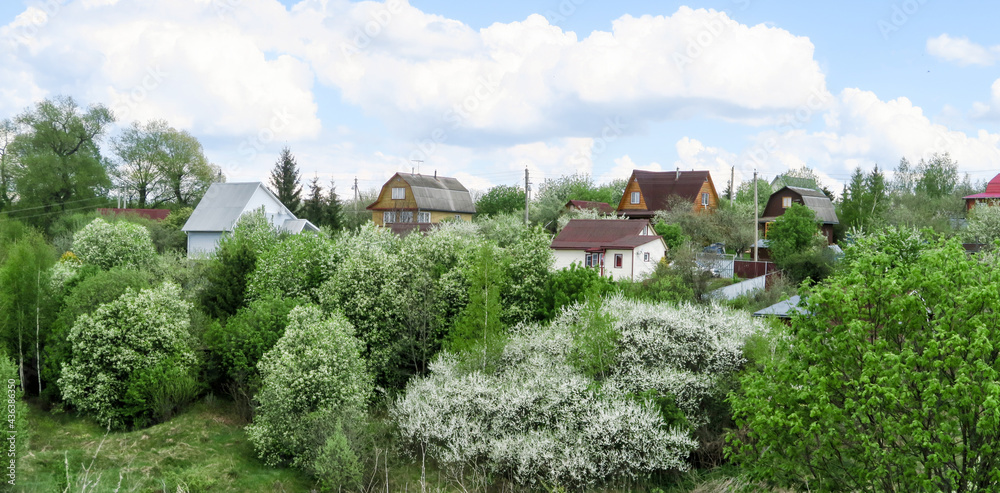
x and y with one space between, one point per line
962 51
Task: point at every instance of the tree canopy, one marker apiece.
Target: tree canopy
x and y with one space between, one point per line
286 181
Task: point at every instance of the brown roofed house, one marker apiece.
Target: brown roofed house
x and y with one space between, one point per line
816 200
651 191
414 201
617 248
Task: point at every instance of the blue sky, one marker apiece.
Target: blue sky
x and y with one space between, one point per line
482 90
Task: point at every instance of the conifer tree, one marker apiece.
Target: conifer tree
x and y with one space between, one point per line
285 181
332 206
312 206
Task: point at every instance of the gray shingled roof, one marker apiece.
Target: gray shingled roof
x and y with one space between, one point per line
440 193
819 203
296 226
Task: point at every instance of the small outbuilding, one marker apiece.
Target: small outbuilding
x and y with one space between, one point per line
618 248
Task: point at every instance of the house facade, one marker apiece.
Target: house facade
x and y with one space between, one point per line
990 197
618 249
815 200
419 200
650 191
224 204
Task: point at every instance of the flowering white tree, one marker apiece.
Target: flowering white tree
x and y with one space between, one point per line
121 347
107 245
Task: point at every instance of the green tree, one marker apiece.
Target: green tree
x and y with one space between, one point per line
481 320
865 200
672 234
744 194
185 169
58 161
234 261
501 199
938 176
8 131
312 207
313 377
889 382
124 351
139 151
108 245
286 181
792 232
24 299
332 209
983 225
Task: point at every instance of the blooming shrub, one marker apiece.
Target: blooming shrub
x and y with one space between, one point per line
312 377
538 413
294 268
63 270
107 245
114 346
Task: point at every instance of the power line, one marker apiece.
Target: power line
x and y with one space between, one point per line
50 205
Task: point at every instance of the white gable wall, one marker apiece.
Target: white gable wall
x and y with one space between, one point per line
202 243
276 213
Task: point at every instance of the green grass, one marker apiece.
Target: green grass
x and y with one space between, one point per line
202 449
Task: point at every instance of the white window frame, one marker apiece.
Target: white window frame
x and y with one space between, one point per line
406 216
458 217
388 217
398 193
423 217
786 202
704 199
619 260
634 198
645 256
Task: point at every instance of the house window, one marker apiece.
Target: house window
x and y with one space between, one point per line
618 261
458 217
635 197
645 256
398 193
593 260
423 217
389 217
704 200
406 217
786 202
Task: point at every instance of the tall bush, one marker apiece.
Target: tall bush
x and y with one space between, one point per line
121 352
108 245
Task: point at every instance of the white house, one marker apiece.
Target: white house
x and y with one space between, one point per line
619 248
224 204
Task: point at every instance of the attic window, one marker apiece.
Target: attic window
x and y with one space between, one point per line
704 199
635 197
398 193
786 202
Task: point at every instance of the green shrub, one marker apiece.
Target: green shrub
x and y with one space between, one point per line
568 286
108 245
294 268
113 346
311 378
336 465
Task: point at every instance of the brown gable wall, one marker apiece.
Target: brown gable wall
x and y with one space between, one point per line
626 202
385 202
713 197
774 208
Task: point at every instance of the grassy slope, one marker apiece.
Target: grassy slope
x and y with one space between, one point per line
202 449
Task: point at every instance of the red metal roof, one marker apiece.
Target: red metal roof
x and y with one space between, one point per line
602 207
154 214
587 234
992 190
658 186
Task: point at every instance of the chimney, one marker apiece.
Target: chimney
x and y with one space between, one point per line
435 174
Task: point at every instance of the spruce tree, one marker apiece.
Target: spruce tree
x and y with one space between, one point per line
331 214
285 181
313 207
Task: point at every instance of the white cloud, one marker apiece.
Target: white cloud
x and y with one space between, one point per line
962 51
623 169
989 110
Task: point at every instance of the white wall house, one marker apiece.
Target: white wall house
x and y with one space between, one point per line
618 248
224 204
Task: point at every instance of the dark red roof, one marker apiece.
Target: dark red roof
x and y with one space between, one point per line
154 214
992 190
600 234
658 186
602 207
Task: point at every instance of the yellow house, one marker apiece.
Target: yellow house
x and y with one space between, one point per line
651 191
418 200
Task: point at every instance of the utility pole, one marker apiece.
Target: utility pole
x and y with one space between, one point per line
355 187
527 188
755 215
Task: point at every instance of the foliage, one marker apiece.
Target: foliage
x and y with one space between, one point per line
937 177
792 232
553 193
314 375
927 195
57 159
294 268
480 320
89 293
285 181
8 131
744 194
889 383
571 285
528 260
562 404
115 347
697 225
24 298
147 157
501 199
865 201
17 433
233 263
983 224
324 210
108 245
336 464
185 170
674 282
736 224
672 234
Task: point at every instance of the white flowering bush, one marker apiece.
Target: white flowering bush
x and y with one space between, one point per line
311 379
62 271
107 245
294 268
536 412
119 351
